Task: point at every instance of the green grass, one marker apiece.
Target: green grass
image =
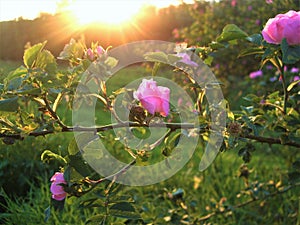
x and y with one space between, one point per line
219 181
203 192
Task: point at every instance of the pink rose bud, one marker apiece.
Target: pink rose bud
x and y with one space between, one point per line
57 190
100 51
283 26
255 74
90 54
153 98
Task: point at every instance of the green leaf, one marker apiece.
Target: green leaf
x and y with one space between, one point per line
156 57
45 60
215 45
73 147
173 58
141 132
293 84
1 88
245 154
29 89
9 105
290 54
20 71
99 219
171 142
255 39
250 124
124 210
231 32
111 62
47 213
208 61
14 84
252 98
48 155
81 166
31 54
58 205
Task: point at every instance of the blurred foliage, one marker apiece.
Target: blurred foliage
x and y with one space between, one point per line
209 20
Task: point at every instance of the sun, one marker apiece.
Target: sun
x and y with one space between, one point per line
105 11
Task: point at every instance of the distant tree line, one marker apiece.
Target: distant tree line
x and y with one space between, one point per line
60 28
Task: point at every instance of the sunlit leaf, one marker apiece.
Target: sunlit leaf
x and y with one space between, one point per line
231 32
45 60
156 57
31 54
293 84
48 155
111 62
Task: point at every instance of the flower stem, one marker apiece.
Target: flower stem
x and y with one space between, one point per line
285 92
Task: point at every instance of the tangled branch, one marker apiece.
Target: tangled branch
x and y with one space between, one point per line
232 208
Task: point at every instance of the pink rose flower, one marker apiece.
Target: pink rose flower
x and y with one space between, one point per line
175 33
233 3
153 98
283 26
294 70
186 59
57 190
255 74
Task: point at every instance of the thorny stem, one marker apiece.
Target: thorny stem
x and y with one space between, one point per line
285 92
114 176
53 113
172 126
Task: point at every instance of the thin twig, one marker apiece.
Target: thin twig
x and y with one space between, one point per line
270 140
53 113
232 208
172 126
285 92
115 175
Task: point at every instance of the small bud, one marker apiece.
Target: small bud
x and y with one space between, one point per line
234 128
90 54
100 51
8 141
137 113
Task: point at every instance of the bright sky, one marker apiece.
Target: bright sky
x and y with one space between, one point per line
30 9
